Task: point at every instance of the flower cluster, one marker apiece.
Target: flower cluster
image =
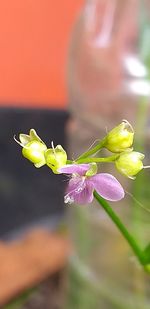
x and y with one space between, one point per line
35 150
84 177
120 140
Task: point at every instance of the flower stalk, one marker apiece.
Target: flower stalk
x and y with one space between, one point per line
98 160
124 231
93 150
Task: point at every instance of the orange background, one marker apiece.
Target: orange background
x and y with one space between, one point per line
34 38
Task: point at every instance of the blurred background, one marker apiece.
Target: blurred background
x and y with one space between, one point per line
34 39
71 70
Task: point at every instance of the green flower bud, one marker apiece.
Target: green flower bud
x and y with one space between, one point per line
33 148
130 163
120 138
56 158
34 152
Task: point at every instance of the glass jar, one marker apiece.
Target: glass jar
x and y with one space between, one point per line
109 80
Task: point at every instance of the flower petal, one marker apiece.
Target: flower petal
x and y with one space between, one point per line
107 186
79 169
79 191
86 196
76 183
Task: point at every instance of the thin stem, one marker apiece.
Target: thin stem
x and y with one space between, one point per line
97 160
92 151
69 162
131 241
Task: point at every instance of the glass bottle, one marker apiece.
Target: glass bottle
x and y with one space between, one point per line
109 80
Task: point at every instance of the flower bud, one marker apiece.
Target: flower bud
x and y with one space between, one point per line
56 158
34 152
33 148
130 163
120 138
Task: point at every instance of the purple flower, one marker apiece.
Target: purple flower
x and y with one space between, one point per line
81 187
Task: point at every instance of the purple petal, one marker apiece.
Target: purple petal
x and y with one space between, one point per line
75 183
107 186
79 169
79 191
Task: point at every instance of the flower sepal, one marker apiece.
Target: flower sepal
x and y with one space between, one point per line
92 169
25 139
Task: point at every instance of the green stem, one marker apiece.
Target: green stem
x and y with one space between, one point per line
69 162
92 151
97 160
131 241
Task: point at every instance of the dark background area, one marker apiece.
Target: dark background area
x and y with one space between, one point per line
28 195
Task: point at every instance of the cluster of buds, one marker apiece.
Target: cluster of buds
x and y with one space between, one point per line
84 177
36 151
120 140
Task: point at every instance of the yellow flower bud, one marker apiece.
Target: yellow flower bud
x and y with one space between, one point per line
56 158
34 152
33 148
130 163
120 138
